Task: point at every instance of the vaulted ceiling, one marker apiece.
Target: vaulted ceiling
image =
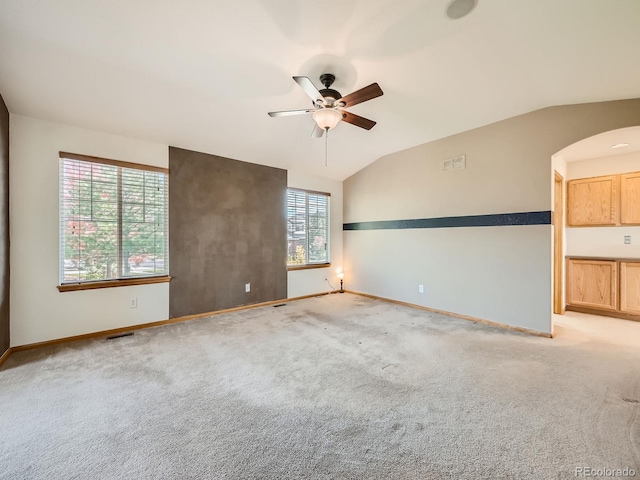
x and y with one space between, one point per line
202 74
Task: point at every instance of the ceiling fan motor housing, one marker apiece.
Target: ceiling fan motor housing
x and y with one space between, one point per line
330 92
327 80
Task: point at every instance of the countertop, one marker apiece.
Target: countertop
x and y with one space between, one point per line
618 259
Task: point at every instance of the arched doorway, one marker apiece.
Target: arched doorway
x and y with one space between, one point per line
609 154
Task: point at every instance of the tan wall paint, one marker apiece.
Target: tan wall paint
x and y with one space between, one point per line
38 311
596 167
508 170
312 281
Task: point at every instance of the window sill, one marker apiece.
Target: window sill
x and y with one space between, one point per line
70 287
308 267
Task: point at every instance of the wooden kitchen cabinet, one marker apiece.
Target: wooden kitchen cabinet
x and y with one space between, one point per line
592 283
630 287
630 199
604 286
594 201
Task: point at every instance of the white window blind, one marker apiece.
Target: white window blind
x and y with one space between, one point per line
307 227
113 220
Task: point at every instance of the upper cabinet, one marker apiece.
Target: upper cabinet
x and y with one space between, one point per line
594 201
630 199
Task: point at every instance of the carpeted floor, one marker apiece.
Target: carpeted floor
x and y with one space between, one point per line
334 387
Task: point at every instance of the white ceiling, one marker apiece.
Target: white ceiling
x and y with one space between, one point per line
202 74
599 146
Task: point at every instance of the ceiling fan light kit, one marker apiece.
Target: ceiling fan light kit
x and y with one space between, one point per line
327 118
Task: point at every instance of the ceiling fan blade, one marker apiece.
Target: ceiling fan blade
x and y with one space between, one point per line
357 120
317 131
291 112
310 89
362 95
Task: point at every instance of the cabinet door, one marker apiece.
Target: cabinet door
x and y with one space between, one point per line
630 287
630 198
593 201
592 283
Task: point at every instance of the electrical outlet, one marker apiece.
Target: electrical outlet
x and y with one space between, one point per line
627 239
133 303
420 288
247 287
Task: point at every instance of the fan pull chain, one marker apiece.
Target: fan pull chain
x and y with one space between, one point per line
326 147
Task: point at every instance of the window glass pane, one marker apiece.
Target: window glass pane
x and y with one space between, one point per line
307 228
318 231
132 186
89 214
296 228
113 222
97 257
153 213
132 213
104 192
103 174
84 190
104 211
142 248
71 270
144 238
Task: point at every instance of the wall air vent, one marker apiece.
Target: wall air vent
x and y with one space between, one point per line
456 163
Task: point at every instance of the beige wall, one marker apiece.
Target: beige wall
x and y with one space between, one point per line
312 281
38 311
595 167
496 273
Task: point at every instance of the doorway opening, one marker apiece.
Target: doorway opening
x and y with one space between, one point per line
596 245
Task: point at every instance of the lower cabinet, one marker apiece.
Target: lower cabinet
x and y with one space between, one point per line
592 283
630 287
606 285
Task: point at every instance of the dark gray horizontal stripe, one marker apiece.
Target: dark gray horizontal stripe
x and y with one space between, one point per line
496 220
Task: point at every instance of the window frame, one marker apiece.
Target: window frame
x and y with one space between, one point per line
310 265
120 281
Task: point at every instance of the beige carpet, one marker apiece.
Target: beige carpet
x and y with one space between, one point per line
335 387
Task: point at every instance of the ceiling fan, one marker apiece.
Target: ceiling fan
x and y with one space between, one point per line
329 105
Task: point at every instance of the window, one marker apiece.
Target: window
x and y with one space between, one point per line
113 222
307 228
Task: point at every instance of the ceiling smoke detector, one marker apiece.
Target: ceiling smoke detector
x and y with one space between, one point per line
460 8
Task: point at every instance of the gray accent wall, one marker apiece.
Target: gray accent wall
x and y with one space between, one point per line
4 227
499 273
227 228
